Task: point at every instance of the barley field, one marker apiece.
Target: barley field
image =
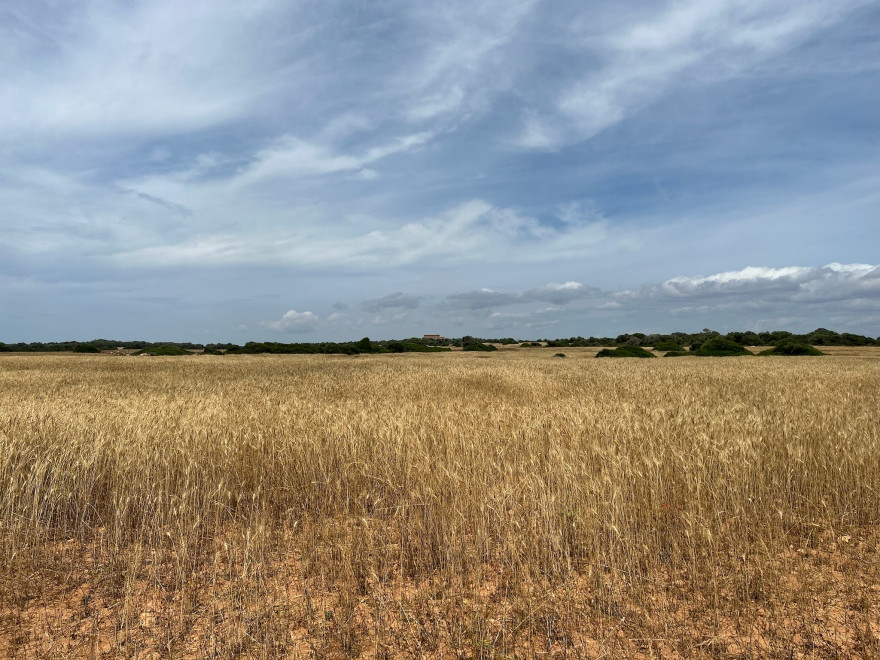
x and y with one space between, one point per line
452 505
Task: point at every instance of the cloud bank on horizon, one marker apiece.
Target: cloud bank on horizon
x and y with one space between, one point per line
226 171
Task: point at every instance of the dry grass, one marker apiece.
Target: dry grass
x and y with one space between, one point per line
446 505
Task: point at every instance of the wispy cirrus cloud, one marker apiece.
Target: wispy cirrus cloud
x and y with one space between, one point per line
676 45
472 231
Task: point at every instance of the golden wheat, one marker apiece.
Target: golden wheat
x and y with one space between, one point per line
438 505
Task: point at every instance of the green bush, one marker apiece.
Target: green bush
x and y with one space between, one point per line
559 355
676 354
625 351
720 347
791 347
667 346
86 348
469 343
479 347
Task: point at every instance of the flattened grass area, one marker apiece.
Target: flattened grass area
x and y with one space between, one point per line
439 505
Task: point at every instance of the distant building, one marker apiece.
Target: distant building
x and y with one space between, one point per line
433 337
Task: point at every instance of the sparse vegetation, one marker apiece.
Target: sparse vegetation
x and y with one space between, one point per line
438 506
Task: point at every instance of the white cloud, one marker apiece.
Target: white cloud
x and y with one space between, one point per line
294 322
806 297
745 280
761 287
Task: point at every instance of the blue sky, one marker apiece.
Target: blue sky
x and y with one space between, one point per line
233 171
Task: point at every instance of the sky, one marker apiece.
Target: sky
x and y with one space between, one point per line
219 171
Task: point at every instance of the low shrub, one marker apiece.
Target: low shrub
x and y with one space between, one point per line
476 346
625 351
667 346
791 347
676 354
720 347
559 355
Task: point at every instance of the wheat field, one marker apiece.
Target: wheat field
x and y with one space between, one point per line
509 505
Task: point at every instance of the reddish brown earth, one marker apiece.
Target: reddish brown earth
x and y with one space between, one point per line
817 601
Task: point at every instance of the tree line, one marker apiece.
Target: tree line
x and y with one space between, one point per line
818 337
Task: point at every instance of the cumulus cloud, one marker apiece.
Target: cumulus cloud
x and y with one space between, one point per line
294 322
752 297
794 283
